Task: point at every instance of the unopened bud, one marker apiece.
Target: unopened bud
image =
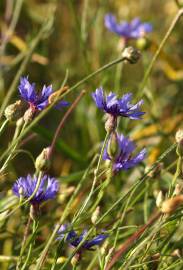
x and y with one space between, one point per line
142 43
111 123
34 211
172 204
131 54
95 215
42 162
20 122
104 247
75 260
14 111
159 199
28 115
179 136
178 189
176 253
112 148
179 141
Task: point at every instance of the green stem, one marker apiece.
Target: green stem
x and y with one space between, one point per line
176 175
94 180
101 192
18 131
30 246
4 124
26 232
164 40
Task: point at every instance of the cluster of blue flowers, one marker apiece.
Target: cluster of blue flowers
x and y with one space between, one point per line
114 107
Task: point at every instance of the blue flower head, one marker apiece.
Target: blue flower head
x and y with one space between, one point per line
74 239
25 187
37 101
124 159
128 30
117 107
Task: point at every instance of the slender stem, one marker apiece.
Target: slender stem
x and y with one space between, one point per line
104 186
132 239
176 175
30 247
26 232
164 40
63 120
18 130
66 209
94 180
4 124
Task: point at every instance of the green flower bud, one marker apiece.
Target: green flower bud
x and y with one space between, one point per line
15 111
179 140
112 148
42 162
95 215
142 43
75 260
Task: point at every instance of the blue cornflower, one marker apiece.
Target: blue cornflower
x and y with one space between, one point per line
124 159
25 187
74 239
117 107
37 101
128 30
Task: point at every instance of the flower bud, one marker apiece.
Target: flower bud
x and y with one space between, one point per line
178 189
131 54
172 204
112 148
42 162
177 253
75 260
28 115
34 211
14 111
95 215
111 123
142 43
179 140
20 122
159 199
104 247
